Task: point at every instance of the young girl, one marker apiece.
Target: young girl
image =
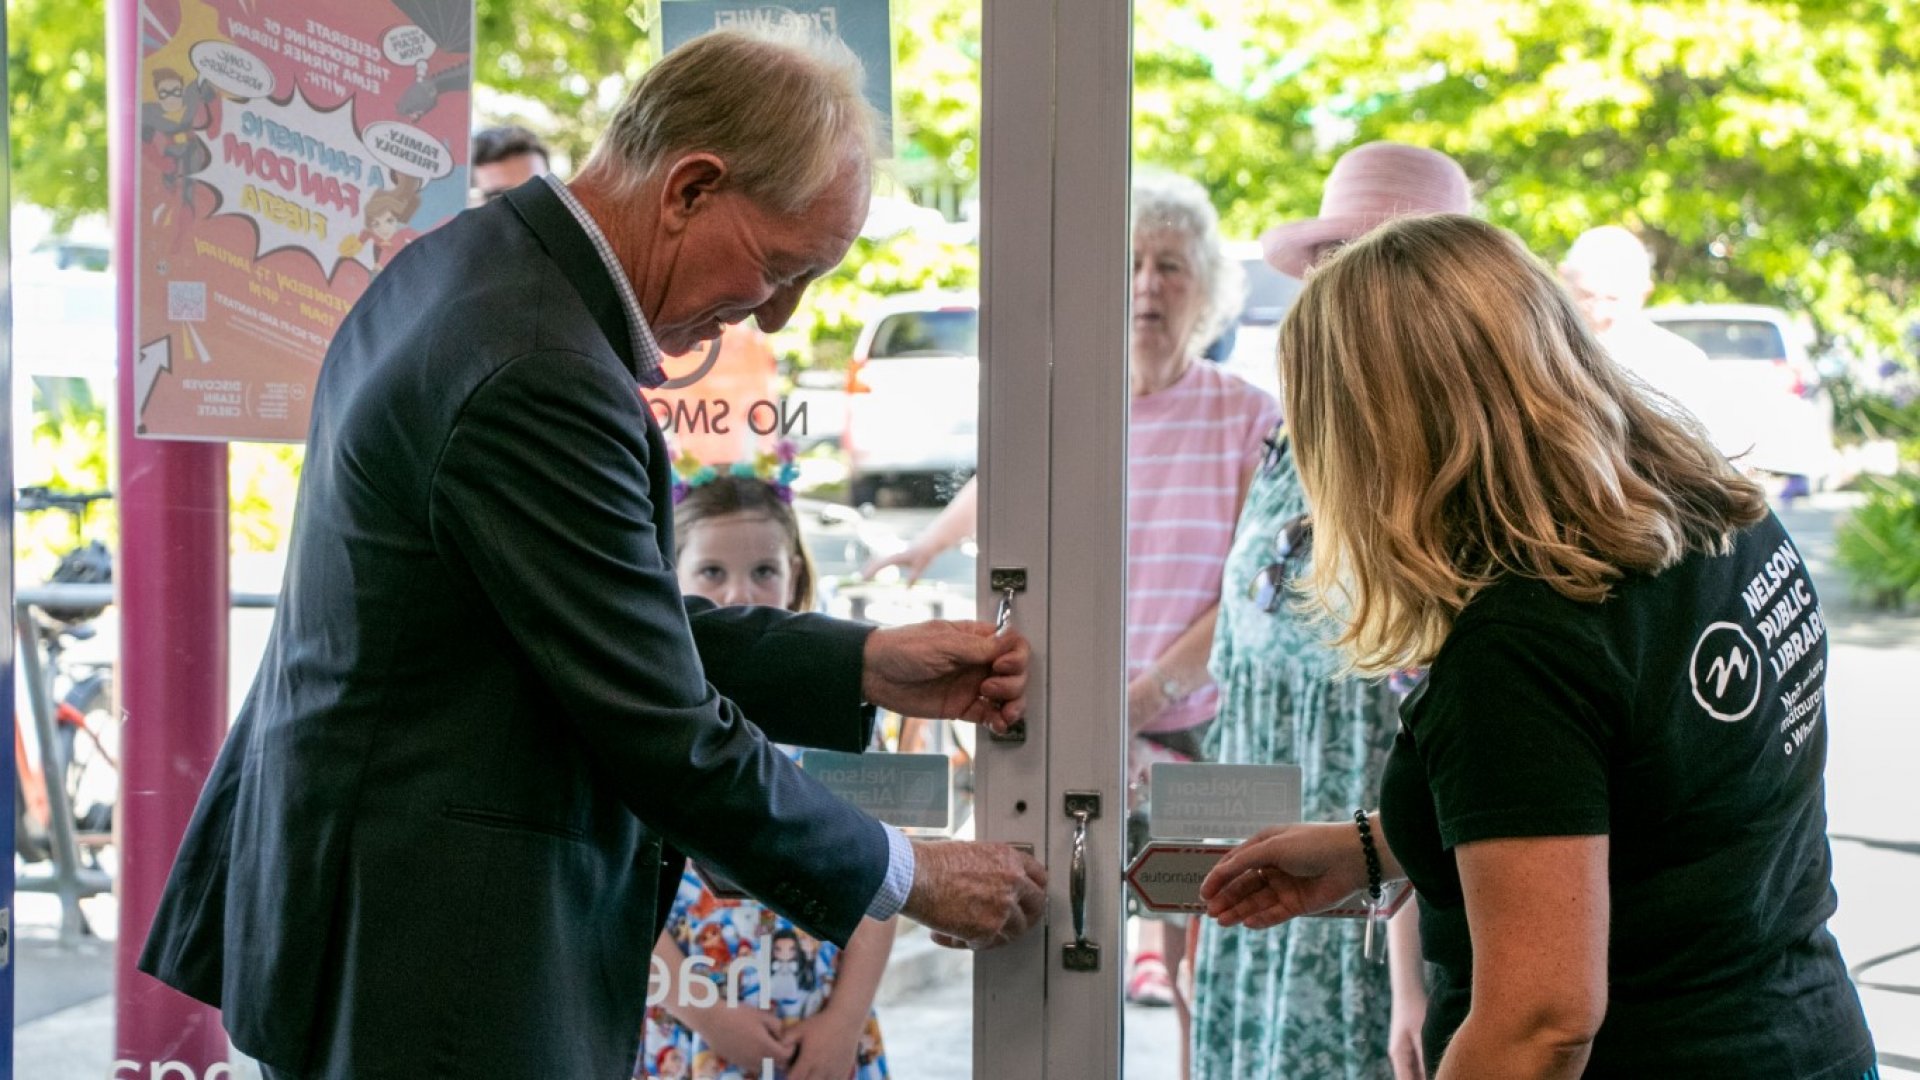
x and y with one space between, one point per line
739 543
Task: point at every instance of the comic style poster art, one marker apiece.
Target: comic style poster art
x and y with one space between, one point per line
289 149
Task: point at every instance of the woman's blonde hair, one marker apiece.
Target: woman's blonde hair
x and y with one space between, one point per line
1455 421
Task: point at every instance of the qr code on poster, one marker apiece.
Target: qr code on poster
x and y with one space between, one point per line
187 301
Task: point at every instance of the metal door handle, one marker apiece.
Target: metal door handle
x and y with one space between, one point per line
1080 954
1077 878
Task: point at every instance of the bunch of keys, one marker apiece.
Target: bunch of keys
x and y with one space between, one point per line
1007 581
1376 925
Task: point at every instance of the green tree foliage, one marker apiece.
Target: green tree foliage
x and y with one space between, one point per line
1765 150
57 104
936 95
572 56
1880 543
68 447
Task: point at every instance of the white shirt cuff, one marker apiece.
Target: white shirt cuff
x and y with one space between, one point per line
899 880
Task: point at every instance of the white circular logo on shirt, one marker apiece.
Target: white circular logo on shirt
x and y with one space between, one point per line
1726 672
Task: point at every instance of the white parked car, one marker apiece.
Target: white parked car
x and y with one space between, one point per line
1768 400
1270 294
913 395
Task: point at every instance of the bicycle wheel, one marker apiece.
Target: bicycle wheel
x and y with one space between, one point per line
90 737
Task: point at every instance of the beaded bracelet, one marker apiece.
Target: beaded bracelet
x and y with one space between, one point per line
1375 903
1373 856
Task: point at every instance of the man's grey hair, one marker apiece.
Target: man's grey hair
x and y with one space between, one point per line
1172 202
1612 255
783 107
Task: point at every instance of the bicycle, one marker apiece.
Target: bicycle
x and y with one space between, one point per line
79 694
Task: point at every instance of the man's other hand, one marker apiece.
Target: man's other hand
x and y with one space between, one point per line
975 894
941 669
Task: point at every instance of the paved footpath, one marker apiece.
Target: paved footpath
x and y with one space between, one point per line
1873 799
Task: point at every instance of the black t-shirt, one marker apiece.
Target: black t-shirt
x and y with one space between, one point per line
1684 718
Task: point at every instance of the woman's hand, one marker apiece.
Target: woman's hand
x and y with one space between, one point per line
1284 872
741 1034
822 1047
912 560
953 525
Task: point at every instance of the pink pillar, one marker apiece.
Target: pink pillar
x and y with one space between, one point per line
172 598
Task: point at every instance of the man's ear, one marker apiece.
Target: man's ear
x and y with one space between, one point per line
691 184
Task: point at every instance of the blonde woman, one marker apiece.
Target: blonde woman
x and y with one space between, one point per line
1609 790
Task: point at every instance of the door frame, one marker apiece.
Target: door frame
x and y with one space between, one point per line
1056 103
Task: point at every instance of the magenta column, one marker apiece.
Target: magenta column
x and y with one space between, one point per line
172 600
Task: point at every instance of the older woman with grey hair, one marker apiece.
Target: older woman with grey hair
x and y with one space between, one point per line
1196 438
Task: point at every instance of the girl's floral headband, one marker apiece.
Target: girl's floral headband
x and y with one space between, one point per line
775 467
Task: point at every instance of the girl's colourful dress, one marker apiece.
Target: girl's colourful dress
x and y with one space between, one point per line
799 975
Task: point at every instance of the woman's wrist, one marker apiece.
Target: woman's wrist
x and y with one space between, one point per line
1171 687
1145 702
1339 853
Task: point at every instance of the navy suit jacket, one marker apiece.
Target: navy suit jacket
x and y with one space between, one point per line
437 839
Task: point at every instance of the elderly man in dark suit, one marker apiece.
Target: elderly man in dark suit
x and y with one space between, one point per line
437 840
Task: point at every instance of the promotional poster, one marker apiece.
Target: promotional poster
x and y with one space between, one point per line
289 149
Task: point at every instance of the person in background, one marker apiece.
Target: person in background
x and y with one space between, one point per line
503 159
1609 789
740 543
1609 274
1301 1001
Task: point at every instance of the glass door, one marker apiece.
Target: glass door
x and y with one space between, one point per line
1053 446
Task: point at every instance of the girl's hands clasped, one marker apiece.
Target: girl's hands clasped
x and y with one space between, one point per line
824 1046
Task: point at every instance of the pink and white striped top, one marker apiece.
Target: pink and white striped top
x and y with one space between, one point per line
1187 448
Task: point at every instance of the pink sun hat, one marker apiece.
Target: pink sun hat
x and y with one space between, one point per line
1370 184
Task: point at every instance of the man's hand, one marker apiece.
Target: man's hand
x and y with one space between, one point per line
975 894
942 670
